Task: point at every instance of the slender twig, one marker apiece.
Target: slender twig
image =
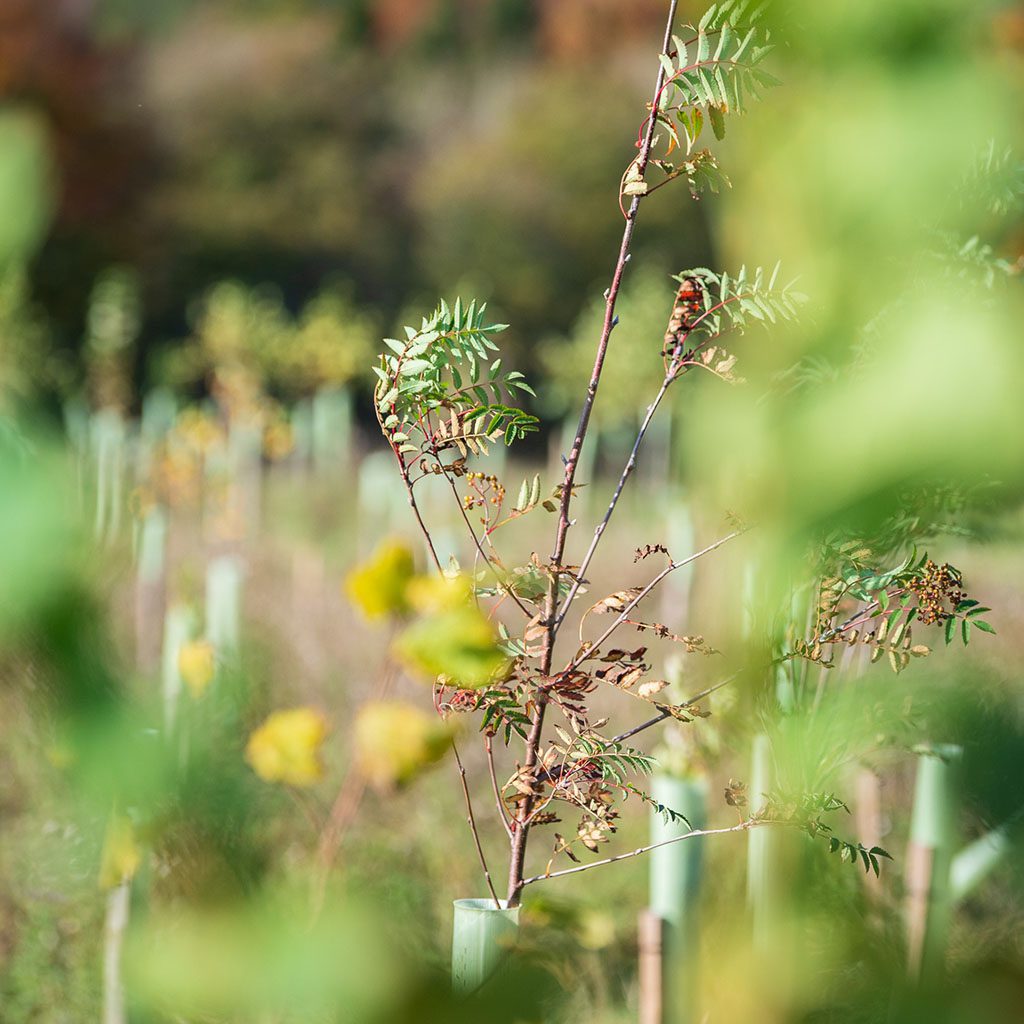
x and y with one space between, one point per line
603 524
591 649
519 839
671 376
345 807
419 518
668 714
307 811
494 785
696 833
471 819
502 584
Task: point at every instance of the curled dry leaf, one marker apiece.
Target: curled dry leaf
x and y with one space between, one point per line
736 793
616 602
651 687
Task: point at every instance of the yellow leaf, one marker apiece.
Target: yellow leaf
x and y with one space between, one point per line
378 587
286 747
197 666
460 643
394 742
432 594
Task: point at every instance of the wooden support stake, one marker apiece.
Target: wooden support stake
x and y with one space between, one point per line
651 942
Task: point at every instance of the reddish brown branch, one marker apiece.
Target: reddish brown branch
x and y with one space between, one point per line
521 833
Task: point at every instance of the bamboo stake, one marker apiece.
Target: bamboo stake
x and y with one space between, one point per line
651 980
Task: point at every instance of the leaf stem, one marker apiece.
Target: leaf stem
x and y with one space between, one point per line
488 746
416 511
593 648
502 584
667 714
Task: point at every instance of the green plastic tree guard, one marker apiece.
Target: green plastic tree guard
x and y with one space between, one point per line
482 938
302 430
929 859
332 429
245 469
977 860
149 588
159 410
675 876
107 430
224 604
675 869
762 855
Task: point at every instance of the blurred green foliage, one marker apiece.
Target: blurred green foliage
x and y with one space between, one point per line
903 373
26 184
298 142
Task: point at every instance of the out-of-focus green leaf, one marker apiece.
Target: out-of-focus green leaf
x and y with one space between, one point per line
26 186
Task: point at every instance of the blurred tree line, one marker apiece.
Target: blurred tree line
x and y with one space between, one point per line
399 148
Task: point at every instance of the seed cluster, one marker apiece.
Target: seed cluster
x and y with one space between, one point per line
936 586
486 488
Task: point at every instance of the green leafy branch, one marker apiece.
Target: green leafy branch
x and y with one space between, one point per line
804 810
916 588
725 303
755 294
714 73
666 813
718 75
440 388
997 179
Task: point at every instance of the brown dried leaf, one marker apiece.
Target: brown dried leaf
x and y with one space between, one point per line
736 793
651 687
